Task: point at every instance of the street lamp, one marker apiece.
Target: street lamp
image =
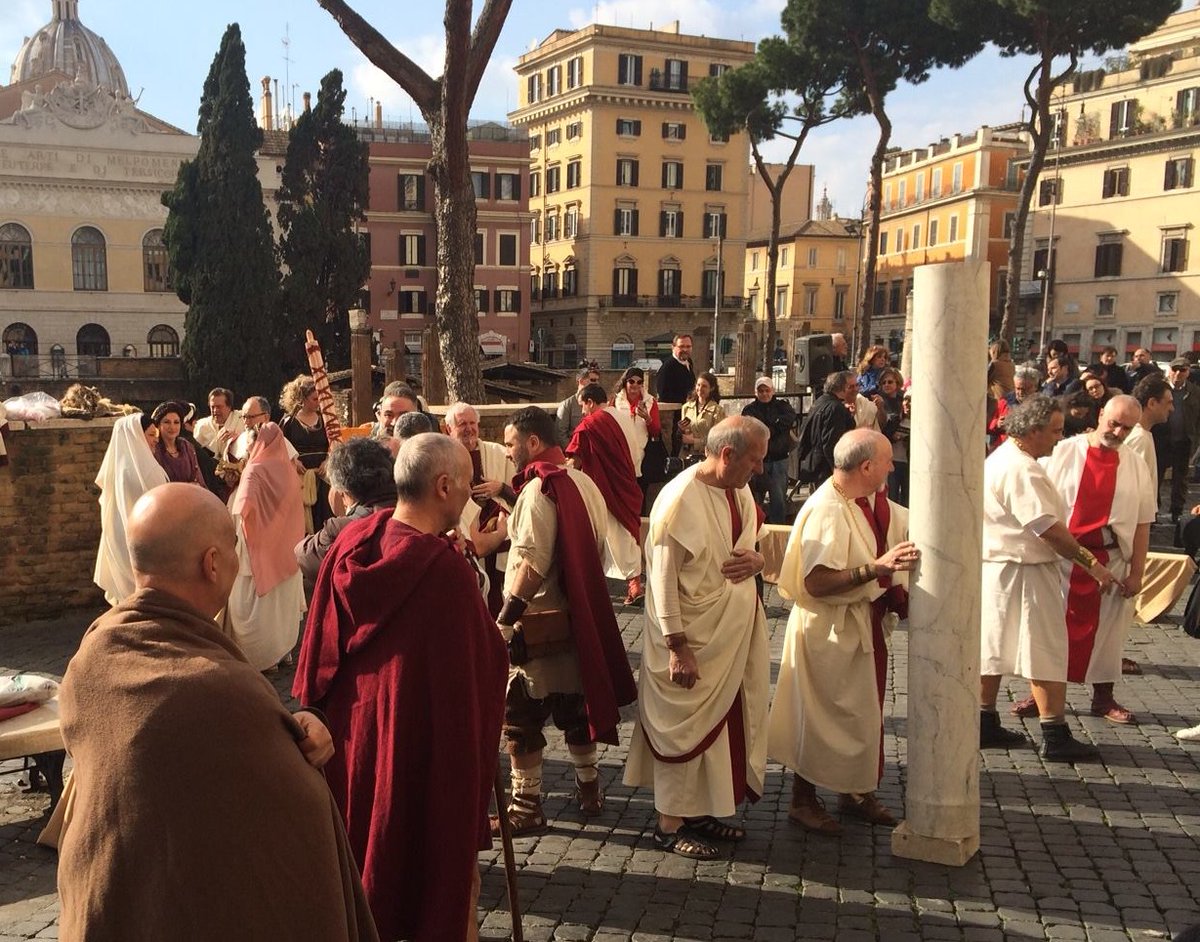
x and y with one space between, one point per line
716 357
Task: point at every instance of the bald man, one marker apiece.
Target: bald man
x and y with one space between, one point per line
177 741
1110 505
404 659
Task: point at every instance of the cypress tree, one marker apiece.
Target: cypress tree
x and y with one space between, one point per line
218 235
323 195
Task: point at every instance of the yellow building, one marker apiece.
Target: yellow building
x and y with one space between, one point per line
950 201
1123 164
817 279
635 206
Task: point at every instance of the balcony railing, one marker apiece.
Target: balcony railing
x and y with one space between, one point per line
47 366
687 301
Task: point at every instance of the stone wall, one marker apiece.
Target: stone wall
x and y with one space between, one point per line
50 518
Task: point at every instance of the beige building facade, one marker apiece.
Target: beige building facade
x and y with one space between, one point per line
83 270
634 206
1118 198
953 200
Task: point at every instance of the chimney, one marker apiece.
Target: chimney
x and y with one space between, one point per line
379 115
307 102
267 118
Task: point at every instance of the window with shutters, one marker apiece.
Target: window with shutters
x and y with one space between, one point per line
1058 128
570 281
1187 108
883 243
933 232
708 284
712 177
810 300
575 72
919 188
551 226
1174 250
507 245
674 131
481 183
571 222
672 175
781 302
629 69
412 249
550 283
954 228
508 186
535 285
533 88
783 257
956 178
535 183
935 183
625 222
916 236
553 80
1108 259
1178 174
1116 182
896 297
839 302
411 300
1123 118
717 69
508 301
629 127
535 142
479 256
1010 220
553 137
1050 191
812 258
535 230
714 225
625 284
1042 260
553 179
674 77
902 188
481 300
670 286
412 191
574 130
627 171
671 223
574 174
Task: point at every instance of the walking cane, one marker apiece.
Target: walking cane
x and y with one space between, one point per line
510 862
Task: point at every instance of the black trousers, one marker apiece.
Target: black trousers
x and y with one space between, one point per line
1177 456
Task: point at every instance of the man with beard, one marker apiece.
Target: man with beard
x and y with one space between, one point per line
402 656
599 450
484 515
700 741
568 661
1109 509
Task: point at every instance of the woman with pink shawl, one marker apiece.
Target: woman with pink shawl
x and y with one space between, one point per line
267 601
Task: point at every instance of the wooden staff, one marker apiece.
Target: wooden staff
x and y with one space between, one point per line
510 860
316 363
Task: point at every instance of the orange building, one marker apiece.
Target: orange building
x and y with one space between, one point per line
950 201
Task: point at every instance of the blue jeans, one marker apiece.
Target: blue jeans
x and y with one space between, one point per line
772 483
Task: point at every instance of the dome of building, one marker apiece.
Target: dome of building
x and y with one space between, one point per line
65 45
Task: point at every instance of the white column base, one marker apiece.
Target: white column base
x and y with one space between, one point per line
951 852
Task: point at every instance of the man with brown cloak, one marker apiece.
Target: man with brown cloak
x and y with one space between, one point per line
199 812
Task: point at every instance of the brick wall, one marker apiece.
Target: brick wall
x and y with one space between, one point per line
50 518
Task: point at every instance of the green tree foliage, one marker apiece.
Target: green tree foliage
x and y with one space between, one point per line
1051 30
873 45
751 98
322 197
218 234
445 103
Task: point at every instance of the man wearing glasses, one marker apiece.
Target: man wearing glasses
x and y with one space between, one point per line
256 412
1176 438
1110 506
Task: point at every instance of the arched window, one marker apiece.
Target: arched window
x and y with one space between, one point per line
58 361
163 341
20 340
89 260
156 264
16 256
92 341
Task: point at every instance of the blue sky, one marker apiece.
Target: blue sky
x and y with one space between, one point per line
166 49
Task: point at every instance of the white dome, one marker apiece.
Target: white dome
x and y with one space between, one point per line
66 45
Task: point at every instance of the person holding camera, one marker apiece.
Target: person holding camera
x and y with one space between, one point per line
780 419
700 412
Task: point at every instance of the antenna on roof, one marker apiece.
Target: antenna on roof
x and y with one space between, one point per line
287 63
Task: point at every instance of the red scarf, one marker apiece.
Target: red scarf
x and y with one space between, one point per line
603 666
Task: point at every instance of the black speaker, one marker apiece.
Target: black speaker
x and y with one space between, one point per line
814 360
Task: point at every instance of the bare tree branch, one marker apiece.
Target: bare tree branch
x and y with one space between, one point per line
407 74
483 41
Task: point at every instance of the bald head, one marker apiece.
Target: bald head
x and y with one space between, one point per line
182 540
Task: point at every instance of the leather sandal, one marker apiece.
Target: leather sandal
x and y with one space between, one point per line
866 808
1130 666
588 797
714 829
1025 708
524 816
685 843
812 816
1114 713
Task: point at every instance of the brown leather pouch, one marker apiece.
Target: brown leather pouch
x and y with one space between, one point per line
545 633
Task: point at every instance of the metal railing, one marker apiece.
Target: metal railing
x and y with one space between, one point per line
48 366
698 302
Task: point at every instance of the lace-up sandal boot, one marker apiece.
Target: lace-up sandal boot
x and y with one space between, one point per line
994 736
808 810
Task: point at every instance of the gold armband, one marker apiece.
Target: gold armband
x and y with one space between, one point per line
1085 557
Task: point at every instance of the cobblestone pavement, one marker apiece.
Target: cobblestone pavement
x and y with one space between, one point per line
1101 852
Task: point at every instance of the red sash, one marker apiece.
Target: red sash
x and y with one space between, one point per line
1093 506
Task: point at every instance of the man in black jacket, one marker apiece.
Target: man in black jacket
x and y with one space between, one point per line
828 421
780 418
676 380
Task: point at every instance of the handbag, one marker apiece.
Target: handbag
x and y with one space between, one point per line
654 462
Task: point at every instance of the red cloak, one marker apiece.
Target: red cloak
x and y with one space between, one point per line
601 452
603 666
404 659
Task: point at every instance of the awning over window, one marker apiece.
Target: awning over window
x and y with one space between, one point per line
493 344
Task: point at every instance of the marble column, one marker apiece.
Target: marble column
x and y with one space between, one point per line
906 350
946 453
